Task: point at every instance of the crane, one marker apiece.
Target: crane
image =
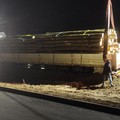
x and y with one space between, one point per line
109 25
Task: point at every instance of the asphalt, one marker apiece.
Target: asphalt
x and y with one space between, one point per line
71 102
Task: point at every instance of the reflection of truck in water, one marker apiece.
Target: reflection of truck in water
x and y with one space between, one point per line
82 48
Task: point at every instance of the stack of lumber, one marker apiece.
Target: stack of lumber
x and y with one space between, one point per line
81 41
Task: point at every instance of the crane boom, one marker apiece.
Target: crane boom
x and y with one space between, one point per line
109 25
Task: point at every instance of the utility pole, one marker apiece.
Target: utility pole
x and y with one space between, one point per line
109 24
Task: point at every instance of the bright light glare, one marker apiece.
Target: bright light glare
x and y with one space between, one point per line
33 37
2 35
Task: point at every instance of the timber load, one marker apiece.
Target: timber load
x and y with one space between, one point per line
81 41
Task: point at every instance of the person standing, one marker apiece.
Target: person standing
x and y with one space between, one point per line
107 72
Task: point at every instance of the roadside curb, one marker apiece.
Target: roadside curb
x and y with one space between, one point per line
83 104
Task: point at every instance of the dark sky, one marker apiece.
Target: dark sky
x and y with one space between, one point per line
40 16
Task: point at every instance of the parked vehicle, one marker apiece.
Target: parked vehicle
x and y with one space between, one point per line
83 48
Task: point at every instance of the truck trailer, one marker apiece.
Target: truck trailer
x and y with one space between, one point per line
81 48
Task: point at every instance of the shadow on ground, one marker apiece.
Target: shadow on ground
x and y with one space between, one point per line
17 74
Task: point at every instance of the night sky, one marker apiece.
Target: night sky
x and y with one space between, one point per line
40 16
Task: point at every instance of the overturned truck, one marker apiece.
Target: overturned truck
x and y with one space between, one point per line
81 48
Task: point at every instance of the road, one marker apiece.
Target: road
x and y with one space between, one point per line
19 107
